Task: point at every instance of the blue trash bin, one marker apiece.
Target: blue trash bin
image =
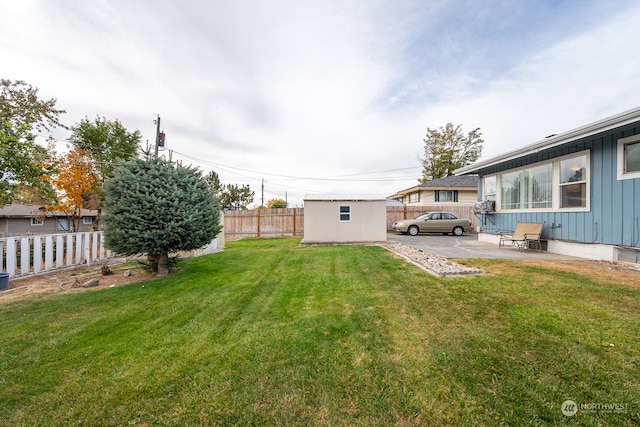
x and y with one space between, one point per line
4 281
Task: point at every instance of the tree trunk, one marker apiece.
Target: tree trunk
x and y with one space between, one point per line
163 267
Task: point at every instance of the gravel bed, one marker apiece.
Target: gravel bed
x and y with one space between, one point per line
436 265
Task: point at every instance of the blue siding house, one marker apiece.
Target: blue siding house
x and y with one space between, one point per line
584 185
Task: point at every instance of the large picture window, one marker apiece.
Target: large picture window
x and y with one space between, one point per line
529 188
561 184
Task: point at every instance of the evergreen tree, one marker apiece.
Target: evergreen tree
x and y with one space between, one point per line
230 196
155 207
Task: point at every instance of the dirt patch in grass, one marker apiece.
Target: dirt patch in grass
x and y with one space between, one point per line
619 273
71 280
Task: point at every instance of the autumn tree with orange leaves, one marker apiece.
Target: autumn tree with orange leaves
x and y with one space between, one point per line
74 182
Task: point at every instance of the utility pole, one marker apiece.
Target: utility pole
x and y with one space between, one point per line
157 121
262 193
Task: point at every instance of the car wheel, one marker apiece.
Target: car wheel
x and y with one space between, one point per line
413 230
458 231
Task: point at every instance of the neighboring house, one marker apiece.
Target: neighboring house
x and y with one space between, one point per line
584 185
23 220
344 219
442 191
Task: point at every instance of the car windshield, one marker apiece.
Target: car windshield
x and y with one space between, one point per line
424 216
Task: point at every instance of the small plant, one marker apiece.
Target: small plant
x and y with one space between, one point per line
106 270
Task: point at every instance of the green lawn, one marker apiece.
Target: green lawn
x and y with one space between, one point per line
272 333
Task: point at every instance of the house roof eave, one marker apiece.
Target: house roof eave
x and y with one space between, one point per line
603 125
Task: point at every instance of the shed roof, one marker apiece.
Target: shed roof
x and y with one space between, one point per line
625 118
344 197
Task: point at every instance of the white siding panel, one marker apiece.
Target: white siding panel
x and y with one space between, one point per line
322 221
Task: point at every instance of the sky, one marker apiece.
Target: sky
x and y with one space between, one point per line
296 97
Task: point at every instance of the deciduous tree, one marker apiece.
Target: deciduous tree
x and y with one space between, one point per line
74 181
276 204
23 163
447 149
107 143
155 207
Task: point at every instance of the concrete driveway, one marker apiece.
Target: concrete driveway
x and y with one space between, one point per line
468 246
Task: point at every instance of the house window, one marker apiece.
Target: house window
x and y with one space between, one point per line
490 188
446 196
345 213
37 222
529 188
414 197
573 182
629 157
63 224
87 220
559 184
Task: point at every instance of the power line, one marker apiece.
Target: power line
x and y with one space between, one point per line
338 178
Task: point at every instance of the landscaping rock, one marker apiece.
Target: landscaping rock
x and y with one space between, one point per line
429 262
91 283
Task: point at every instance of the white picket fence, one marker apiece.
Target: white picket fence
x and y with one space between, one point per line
22 256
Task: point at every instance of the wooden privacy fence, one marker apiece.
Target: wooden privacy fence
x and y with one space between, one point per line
263 223
21 256
290 221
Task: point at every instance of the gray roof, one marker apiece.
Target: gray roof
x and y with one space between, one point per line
344 197
470 181
16 210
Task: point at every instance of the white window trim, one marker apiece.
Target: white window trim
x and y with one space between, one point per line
484 187
621 143
555 188
447 193
37 222
85 222
557 194
340 213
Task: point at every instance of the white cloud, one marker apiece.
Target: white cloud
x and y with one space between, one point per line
325 89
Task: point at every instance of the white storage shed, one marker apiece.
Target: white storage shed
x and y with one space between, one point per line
344 219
